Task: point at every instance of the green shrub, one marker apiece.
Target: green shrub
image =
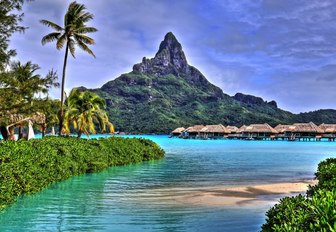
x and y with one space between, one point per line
326 176
30 166
314 212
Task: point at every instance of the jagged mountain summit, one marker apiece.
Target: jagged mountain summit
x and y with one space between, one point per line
165 92
171 60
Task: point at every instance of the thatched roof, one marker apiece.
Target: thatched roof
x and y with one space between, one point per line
282 128
36 118
304 128
196 128
178 130
215 129
328 128
232 129
260 128
241 129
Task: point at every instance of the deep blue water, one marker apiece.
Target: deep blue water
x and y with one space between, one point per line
137 197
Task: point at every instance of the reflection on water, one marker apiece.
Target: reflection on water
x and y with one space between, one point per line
133 198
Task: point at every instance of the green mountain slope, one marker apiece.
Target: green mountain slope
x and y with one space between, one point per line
165 92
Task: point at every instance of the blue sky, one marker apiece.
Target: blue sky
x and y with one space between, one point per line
283 50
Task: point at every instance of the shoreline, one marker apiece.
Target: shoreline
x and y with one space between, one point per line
259 194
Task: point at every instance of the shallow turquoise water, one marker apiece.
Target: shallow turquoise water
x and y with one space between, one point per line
134 198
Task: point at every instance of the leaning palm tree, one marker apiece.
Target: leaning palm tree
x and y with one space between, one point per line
84 109
72 34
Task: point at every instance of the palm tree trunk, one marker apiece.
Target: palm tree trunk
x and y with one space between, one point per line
20 133
4 132
79 134
11 133
44 128
61 119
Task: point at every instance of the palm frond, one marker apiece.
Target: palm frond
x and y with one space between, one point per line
61 41
72 47
85 17
52 25
84 47
50 37
84 30
110 127
83 38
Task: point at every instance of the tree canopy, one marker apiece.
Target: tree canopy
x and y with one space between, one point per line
10 19
84 109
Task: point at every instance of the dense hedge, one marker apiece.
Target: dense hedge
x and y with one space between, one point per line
315 211
30 166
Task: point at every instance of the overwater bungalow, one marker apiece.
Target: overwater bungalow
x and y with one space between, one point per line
259 131
193 131
233 131
240 131
304 131
284 131
177 132
214 132
329 131
297 131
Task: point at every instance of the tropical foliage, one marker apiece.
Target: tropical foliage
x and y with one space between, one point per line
19 87
72 34
84 109
30 166
314 212
21 83
9 24
50 108
171 101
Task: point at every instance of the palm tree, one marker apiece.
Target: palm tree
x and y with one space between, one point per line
84 110
71 34
25 83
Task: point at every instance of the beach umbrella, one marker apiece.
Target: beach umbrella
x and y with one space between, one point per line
31 134
52 131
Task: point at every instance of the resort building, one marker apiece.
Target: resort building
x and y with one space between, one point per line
304 131
329 131
297 131
259 131
20 121
193 132
233 131
241 129
284 131
214 132
177 132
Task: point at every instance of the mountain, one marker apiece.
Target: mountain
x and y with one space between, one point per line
165 92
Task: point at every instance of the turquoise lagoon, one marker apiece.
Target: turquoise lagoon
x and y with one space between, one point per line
142 197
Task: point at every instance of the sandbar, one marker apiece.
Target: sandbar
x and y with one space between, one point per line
226 195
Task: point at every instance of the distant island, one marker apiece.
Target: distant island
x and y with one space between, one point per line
165 92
